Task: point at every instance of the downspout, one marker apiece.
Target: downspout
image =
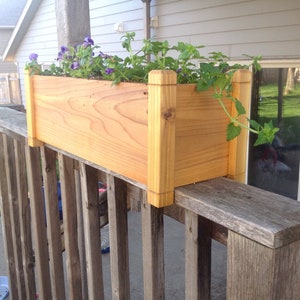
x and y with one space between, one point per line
146 19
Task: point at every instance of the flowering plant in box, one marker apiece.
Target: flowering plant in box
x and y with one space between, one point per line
214 71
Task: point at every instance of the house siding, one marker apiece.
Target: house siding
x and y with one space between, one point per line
5 33
104 16
7 67
255 27
40 38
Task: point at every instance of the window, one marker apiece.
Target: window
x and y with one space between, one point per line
276 97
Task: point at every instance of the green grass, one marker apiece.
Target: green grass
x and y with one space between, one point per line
268 110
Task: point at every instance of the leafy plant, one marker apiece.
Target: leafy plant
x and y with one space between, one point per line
214 71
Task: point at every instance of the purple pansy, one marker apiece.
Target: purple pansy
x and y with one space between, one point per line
108 71
75 65
103 55
33 57
63 50
88 42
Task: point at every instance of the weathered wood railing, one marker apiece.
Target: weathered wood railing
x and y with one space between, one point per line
261 230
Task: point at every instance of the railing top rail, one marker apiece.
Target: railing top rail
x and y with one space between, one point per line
13 123
267 218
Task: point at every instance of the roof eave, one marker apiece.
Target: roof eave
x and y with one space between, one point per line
20 29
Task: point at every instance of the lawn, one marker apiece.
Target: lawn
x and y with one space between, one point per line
268 110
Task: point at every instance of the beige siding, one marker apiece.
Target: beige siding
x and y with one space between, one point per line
257 27
269 28
7 67
4 37
40 38
105 14
262 27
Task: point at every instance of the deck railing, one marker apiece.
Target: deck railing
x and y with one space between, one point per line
261 230
10 88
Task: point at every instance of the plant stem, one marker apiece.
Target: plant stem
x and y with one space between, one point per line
232 119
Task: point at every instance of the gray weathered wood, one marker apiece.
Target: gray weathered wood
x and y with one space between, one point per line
7 222
73 21
13 123
91 223
24 215
197 257
118 234
38 221
68 195
53 223
153 251
13 198
258 272
80 230
262 216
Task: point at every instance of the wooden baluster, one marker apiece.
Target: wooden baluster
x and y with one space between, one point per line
91 223
38 221
66 171
7 222
53 222
25 220
153 251
11 176
118 233
197 257
80 231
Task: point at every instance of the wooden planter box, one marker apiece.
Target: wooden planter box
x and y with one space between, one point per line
160 134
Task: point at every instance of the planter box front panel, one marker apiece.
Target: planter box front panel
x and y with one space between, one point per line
101 123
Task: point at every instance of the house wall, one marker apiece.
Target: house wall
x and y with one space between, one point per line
255 27
4 37
8 67
41 38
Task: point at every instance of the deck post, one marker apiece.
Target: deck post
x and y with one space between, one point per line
73 21
255 271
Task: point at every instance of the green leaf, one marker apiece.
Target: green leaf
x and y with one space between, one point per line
221 82
254 124
239 107
232 131
267 134
202 85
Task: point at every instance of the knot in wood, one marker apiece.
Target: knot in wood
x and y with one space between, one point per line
168 114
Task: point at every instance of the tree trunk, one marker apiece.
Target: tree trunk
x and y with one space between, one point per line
290 81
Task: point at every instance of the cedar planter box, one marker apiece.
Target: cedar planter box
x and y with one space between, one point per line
160 134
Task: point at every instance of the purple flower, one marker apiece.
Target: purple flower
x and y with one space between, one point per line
88 42
75 65
178 70
63 50
33 57
108 71
103 55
